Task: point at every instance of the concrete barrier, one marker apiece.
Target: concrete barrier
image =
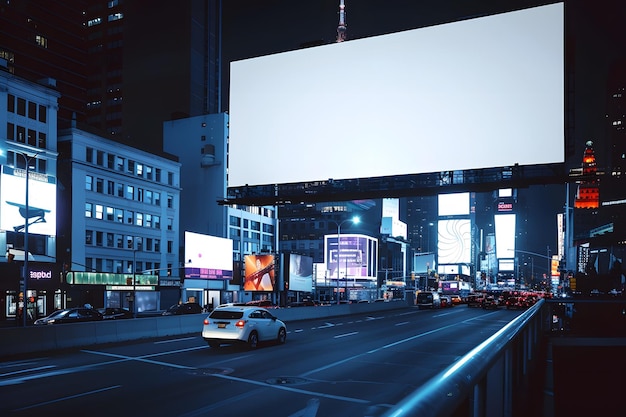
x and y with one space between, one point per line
15 341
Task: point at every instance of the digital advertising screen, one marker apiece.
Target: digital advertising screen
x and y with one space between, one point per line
41 202
260 273
454 241
208 257
300 276
505 235
357 256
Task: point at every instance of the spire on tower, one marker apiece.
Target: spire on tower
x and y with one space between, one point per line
341 29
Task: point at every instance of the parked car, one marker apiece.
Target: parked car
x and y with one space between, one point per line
184 308
115 313
242 324
71 315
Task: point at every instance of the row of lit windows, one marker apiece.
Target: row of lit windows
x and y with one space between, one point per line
120 241
111 18
124 216
129 192
31 137
25 108
119 163
17 160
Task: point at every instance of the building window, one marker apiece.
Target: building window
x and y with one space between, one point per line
148 220
11 103
42 140
32 110
99 236
10 131
157 222
139 169
100 158
115 16
170 223
130 216
129 242
131 166
43 114
88 210
89 183
110 214
89 155
110 161
119 239
170 201
32 137
88 237
99 212
149 172
157 199
120 190
170 178
110 187
99 185
120 162
94 22
157 175
130 192
21 106
119 215
157 245
170 246
139 219
148 197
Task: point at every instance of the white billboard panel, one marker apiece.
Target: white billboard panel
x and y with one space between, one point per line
505 235
208 257
355 109
453 204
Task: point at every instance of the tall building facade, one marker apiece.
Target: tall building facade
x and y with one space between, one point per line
28 182
118 214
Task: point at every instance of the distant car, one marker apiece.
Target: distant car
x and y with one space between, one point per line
446 301
490 302
71 315
428 299
475 300
115 313
242 324
456 299
184 308
261 303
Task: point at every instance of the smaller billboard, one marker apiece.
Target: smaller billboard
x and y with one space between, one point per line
208 257
300 272
260 273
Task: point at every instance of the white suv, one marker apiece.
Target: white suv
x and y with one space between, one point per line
245 324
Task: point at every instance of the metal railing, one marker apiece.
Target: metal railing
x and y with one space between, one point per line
491 380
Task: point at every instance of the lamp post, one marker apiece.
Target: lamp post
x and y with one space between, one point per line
27 161
354 220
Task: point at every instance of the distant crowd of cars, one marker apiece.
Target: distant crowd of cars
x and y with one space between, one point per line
485 300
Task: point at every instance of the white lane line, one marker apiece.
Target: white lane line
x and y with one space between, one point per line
140 359
68 398
402 323
175 340
345 334
23 371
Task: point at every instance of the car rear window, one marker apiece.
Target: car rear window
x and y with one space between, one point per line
226 314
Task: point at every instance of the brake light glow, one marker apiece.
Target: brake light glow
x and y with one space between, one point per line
240 323
206 321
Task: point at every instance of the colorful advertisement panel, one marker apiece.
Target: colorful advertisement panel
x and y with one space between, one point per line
41 202
357 256
208 257
300 272
260 273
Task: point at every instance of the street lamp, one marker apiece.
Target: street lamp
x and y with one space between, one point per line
354 220
27 161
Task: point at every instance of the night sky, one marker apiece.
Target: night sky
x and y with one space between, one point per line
595 40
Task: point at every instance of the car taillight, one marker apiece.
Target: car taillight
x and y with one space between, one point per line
240 323
206 321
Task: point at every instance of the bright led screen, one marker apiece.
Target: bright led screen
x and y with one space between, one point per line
453 241
453 204
300 272
208 257
260 273
360 107
41 204
505 235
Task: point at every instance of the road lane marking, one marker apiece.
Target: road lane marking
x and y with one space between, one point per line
84 394
23 371
175 340
402 323
345 334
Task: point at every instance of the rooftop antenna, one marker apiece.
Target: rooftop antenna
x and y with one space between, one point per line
341 29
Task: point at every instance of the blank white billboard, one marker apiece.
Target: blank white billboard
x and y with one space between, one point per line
453 204
505 235
41 203
479 93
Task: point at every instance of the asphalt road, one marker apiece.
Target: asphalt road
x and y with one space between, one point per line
348 366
